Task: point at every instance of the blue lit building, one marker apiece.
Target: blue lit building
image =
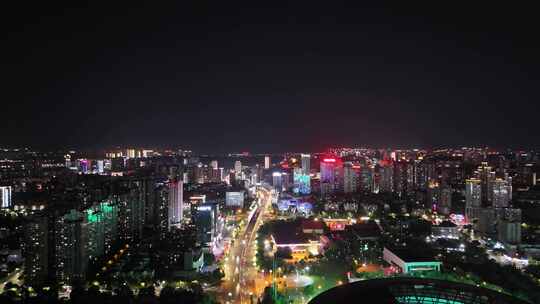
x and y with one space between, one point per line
206 219
302 182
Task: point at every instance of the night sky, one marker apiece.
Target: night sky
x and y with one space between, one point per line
223 78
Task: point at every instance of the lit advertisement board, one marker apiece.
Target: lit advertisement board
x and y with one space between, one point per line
234 199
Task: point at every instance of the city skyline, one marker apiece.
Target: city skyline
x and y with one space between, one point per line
185 150
240 228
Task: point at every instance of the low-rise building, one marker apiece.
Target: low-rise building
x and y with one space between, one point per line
337 224
312 226
302 245
407 261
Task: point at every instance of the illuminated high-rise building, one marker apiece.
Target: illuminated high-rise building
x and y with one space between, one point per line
214 164
71 239
206 219
386 171
198 173
36 251
238 169
100 166
256 173
84 165
502 191
306 163
231 178
486 176
59 246
404 177
5 196
349 178
286 181
185 177
473 193
176 203
161 209
433 195
130 153
101 224
131 214
331 175
400 177
421 176
267 162
302 182
67 159
277 181
473 198
221 172
366 178
412 183
445 201
214 174
253 178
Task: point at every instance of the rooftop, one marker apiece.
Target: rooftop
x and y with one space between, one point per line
289 233
311 224
368 229
410 255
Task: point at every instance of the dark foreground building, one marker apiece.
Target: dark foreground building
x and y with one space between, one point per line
412 290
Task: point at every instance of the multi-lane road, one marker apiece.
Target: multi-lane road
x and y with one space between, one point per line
239 264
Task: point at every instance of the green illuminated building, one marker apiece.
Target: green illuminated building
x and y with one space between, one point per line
406 261
102 222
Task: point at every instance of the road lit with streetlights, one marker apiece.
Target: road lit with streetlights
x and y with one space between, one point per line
239 264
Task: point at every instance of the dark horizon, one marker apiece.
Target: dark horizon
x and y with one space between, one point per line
217 78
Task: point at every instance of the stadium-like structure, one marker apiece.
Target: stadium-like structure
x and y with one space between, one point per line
412 290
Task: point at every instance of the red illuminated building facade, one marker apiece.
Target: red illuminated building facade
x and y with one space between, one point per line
331 175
